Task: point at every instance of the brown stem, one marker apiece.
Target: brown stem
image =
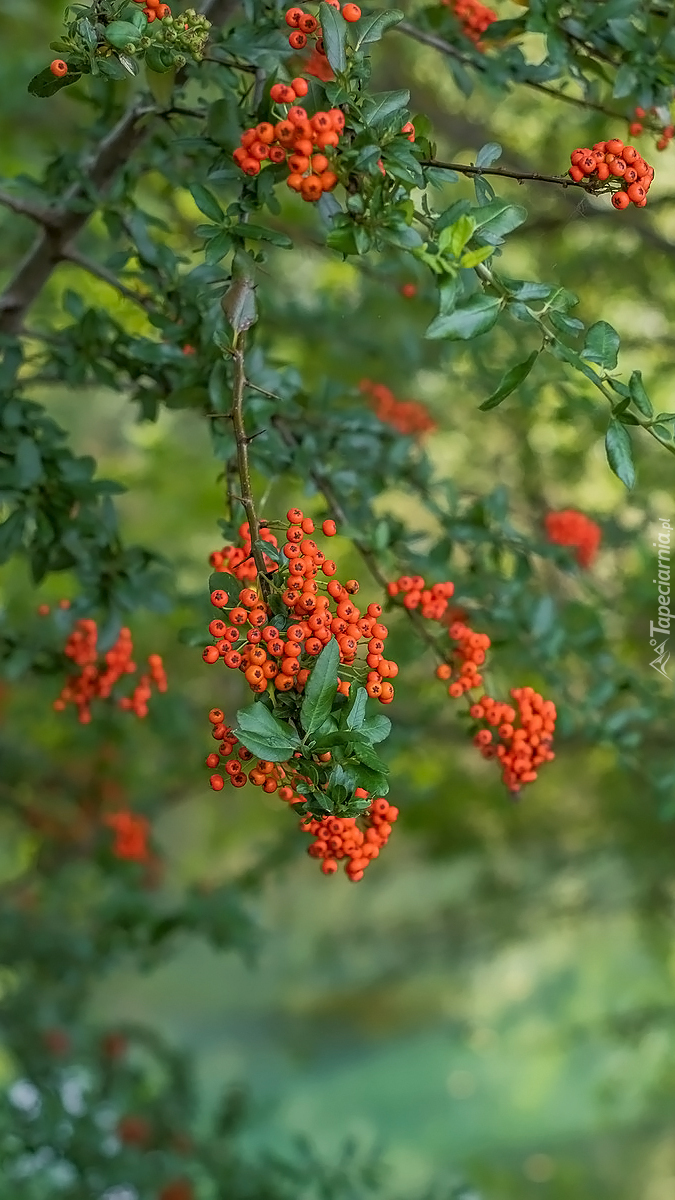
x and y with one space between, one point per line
26 208
243 467
521 176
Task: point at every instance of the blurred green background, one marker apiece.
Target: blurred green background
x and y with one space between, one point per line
495 1003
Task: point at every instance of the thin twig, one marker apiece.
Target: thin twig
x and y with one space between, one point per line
521 176
42 214
438 43
243 467
325 487
109 277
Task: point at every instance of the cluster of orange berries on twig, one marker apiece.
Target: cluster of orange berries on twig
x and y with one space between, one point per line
636 127
474 17
238 560
519 748
297 140
97 679
338 838
613 162
407 416
572 528
304 25
280 647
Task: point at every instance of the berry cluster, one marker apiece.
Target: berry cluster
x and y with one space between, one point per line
97 679
611 162
304 25
238 560
636 127
520 748
341 837
572 528
131 835
154 9
297 140
406 416
464 660
474 17
432 602
278 640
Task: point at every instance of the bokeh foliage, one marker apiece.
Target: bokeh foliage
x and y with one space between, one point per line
493 1004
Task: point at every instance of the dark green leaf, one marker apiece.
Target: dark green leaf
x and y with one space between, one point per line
619 452
638 394
46 84
475 316
321 688
602 345
371 27
334 29
376 729
206 203
120 34
239 304
513 377
11 534
357 710
379 106
28 463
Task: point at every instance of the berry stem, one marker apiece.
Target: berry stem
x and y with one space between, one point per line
522 176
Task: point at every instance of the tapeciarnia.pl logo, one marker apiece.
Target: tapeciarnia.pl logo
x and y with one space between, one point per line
662 625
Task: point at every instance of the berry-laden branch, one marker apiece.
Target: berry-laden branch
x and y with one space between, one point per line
521 176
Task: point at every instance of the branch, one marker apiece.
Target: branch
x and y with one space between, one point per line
26 208
100 272
243 467
73 213
325 487
438 43
521 176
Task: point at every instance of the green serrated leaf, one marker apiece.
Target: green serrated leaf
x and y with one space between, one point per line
357 709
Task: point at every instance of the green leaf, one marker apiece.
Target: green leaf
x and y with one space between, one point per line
129 63
488 154
321 687
379 106
513 377
334 29
11 534
259 233
602 345
120 34
376 729
468 320
206 203
371 28
357 710
46 84
497 218
473 257
264 735
455 237
363 750
638 394
620 452
28 463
